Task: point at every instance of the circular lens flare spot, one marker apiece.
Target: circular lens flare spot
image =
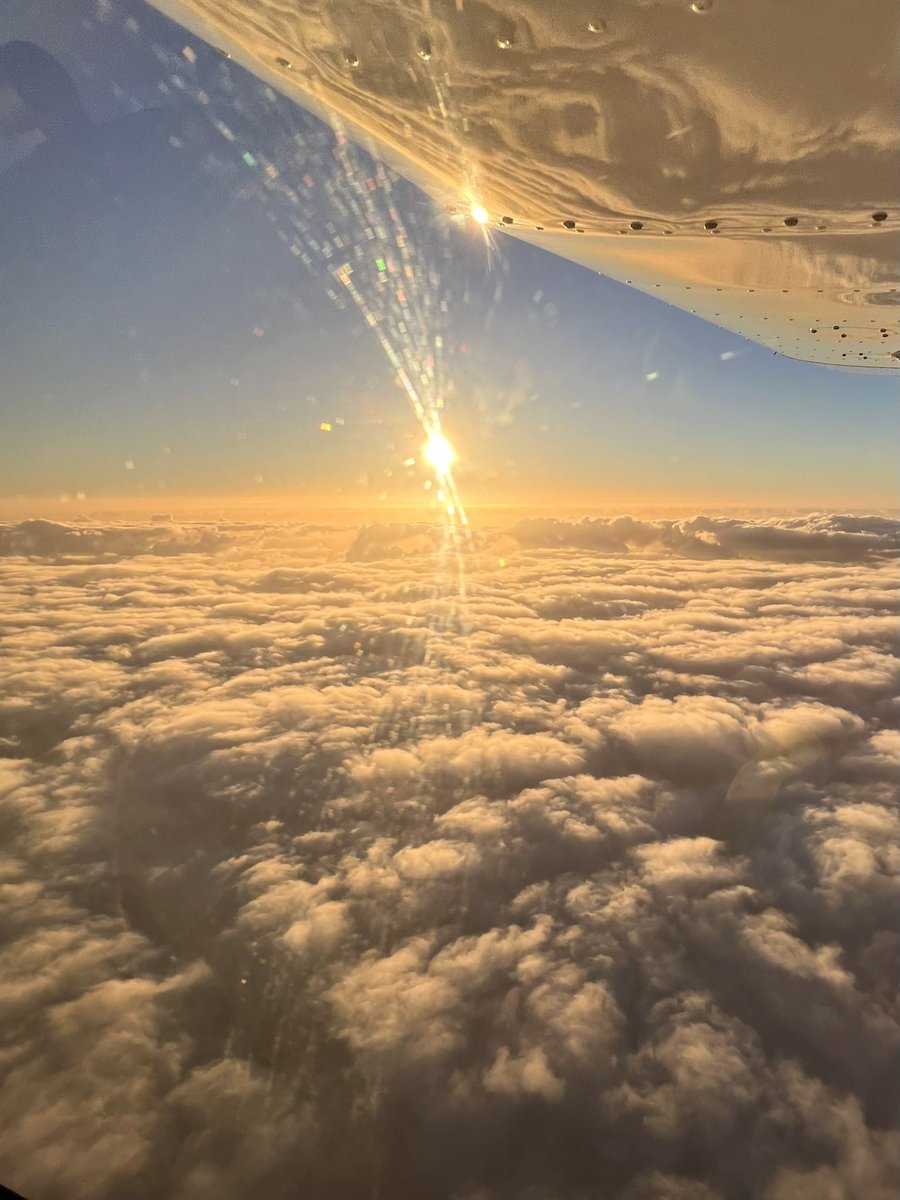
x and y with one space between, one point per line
480 214
438 453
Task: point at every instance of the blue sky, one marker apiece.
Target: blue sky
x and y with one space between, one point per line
203 359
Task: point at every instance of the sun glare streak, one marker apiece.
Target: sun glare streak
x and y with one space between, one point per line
482 219
439 453
376 261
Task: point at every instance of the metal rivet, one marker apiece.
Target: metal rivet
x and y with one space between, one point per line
568 224
637 224
791 221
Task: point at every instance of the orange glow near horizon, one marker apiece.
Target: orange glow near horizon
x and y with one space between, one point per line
344 508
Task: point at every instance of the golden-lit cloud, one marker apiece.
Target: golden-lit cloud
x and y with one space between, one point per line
277 799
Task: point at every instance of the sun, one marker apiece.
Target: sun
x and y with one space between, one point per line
439 453
479 214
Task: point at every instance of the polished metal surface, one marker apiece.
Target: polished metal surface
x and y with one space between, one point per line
738 158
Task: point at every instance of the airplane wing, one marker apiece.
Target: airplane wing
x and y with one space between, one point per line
737 158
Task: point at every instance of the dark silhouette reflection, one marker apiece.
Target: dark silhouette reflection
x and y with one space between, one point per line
133 252
37 94
95 214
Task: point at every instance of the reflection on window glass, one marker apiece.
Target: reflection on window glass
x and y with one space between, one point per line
447 741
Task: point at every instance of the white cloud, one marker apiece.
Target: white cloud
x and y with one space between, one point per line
589 876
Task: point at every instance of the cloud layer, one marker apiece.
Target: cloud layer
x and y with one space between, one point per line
324 877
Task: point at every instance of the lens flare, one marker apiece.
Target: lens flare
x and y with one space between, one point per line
480 214
439 453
